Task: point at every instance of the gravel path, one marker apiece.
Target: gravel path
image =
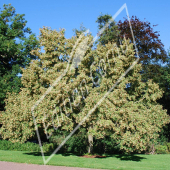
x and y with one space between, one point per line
22 166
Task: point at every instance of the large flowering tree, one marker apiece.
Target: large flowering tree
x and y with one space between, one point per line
84 94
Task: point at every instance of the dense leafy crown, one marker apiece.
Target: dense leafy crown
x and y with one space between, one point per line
129 114
16 42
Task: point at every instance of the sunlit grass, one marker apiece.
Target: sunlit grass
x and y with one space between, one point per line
119 162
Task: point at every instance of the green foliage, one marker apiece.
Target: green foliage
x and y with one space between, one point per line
164 80
163 135
164 83
28 146
161 149
106 145
9 82
168 145
16 42
48 147
78 32
110 34
78 143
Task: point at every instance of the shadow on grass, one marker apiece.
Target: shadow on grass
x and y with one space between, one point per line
130 158
121 157
69 154
49 153
37 154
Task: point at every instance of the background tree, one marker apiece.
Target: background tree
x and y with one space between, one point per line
129 114
150 48
164 81
110 33
16 42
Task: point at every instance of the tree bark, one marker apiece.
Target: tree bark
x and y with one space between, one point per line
90 140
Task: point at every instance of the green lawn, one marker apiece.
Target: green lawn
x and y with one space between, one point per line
135 162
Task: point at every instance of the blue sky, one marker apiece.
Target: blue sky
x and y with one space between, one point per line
69 14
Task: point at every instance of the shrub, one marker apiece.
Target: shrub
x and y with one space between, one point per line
28 146
163 136
48 147
106 145
77 143
161 149
168 145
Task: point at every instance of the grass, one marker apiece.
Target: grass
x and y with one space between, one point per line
118 162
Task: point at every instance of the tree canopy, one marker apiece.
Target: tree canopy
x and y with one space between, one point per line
110 33
16 42
129 113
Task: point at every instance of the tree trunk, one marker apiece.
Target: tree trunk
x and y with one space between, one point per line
90 140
